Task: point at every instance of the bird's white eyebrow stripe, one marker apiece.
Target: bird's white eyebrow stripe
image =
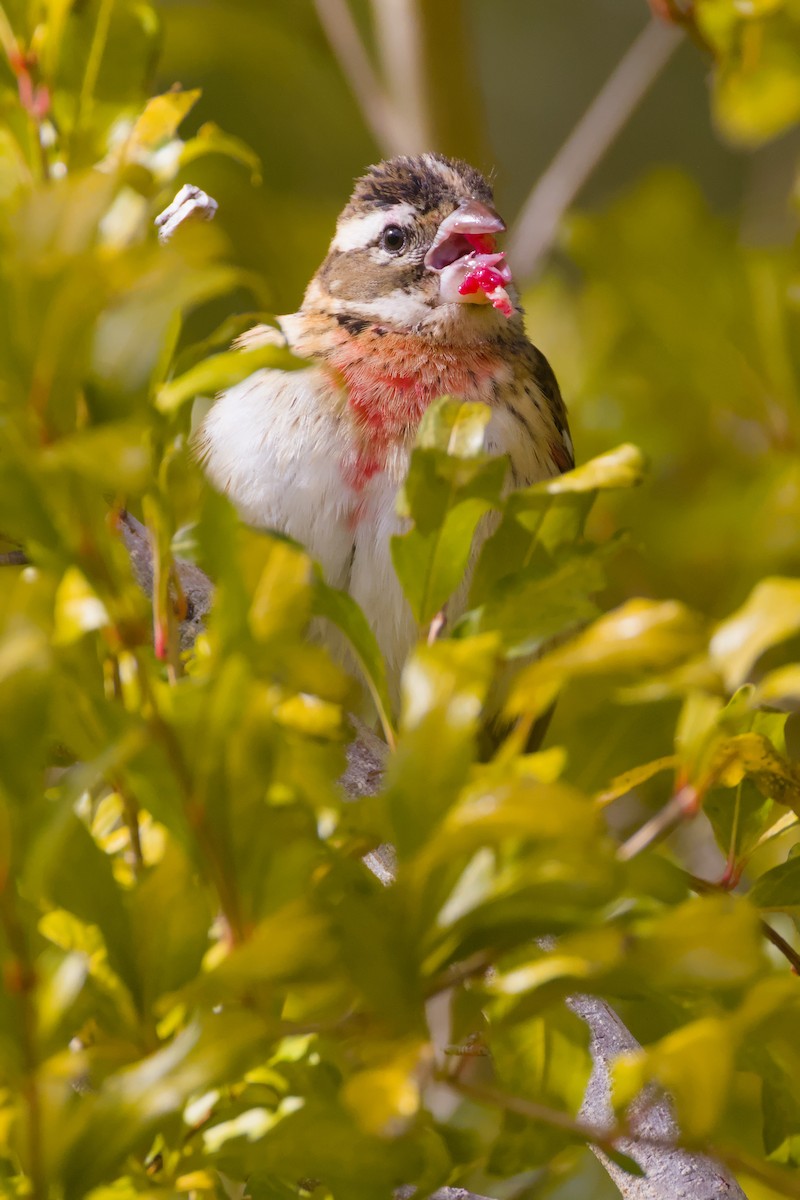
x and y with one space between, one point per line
360 230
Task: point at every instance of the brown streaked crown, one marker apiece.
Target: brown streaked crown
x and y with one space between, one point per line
427 181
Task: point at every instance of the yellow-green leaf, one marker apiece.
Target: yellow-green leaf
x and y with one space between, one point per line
770 615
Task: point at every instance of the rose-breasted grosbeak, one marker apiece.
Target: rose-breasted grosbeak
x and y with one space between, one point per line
412 302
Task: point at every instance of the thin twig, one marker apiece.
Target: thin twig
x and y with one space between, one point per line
780 943
14 558
683 805
350 52
537 224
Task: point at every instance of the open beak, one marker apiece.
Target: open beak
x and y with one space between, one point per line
469 266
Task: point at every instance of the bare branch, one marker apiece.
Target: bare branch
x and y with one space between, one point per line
669 1172
350 52
197 588
399 40
684 804
537 224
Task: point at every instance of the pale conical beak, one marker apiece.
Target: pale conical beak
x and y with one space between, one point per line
463 254
471 216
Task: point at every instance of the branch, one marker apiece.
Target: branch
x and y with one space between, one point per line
418 98
669 1172
451 85
379 114
197 588
537 224
398 36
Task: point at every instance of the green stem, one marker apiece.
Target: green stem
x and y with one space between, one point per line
210 857
96 51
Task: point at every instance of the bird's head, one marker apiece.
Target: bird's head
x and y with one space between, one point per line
415 249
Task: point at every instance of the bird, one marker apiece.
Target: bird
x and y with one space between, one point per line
413 301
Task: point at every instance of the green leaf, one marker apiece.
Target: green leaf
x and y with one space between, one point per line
545 1059
158 123
533 605
340 608
622 784
385 1097
68 869
78 608
430 566
451 485
548 517
443 689
739 818
282 597
754 756
123 1116
454 426
211 139
779 688
116 456
640 635
625 1162
169 902
222 371
708 941
778 889
757 77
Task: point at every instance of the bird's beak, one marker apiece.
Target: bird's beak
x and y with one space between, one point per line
463 254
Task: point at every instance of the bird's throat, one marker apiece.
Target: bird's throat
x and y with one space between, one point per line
391 378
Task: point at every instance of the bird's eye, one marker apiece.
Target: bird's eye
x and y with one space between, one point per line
393 239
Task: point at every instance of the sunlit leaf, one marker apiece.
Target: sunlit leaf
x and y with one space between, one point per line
443 690
640 635
769 616
78 608
221 371
451 485
622 784
623 467
160 119
754 756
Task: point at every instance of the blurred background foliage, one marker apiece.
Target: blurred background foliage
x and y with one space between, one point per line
204 991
